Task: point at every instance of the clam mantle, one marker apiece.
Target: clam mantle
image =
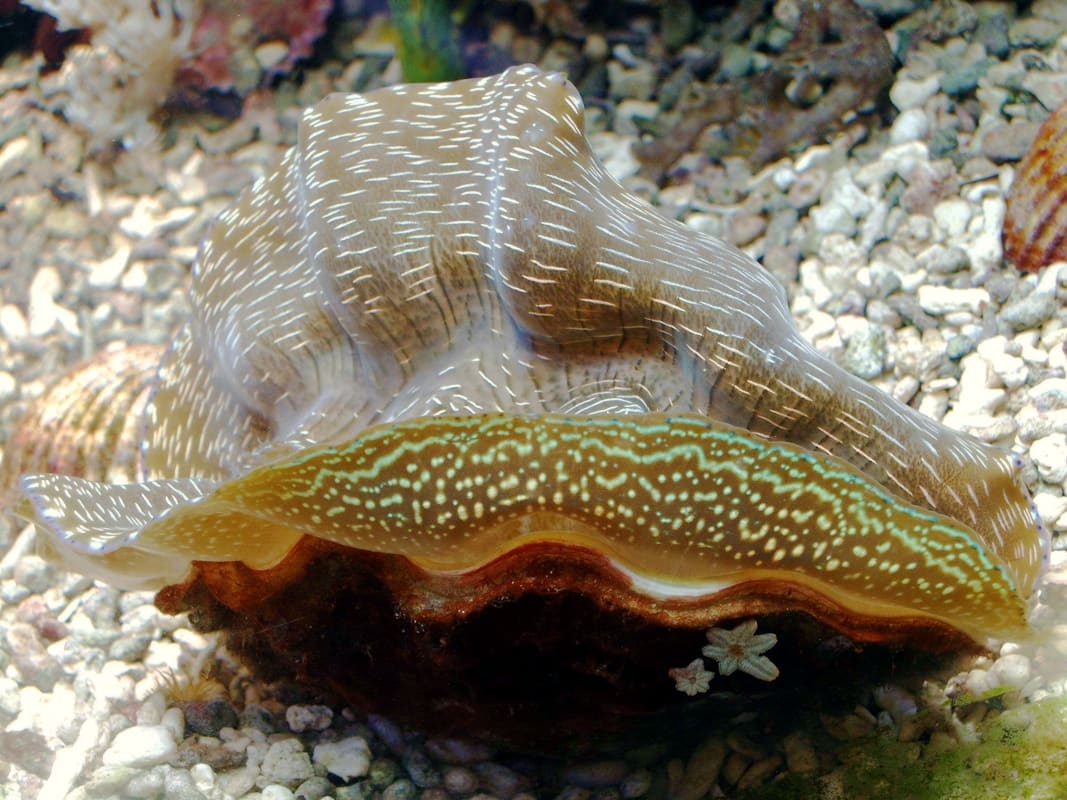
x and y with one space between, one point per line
442 368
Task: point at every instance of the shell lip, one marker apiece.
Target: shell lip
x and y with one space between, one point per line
871 620
733 595
547 567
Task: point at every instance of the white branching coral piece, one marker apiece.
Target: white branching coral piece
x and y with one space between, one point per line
692 679
742 649
113 86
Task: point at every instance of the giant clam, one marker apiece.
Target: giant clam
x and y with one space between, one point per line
462 429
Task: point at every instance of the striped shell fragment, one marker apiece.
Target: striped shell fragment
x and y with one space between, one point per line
461 426
1035 220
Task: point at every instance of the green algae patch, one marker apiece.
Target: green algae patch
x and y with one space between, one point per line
1021 754
428 43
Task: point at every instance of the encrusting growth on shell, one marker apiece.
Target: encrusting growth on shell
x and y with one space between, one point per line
738 649
692 679
742 649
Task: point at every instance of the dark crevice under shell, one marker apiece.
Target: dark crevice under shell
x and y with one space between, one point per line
536 656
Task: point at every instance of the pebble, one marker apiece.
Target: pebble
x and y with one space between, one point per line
314 788
34 573
382 772
276 792
631 82
237 782
1050 393
978 393
347 759
738 60
595 47
758 773
941 300
286 763
1012 670
943 142
209 717
907 93
964 78
141 746
596 774
128 648
993 35
909 126
800 755
631 116
308 718
270 54
1049 88
952 216
734 767
10 702
258 718
14 156
179 785
66 222
739 743
105 274
458 751
1009 142
13 324
807 187
422 771
1012 371
635 784
36 665
146 784
460 780
174 720
110 780
866 352
1049 455
1033 32
44 313
1037 306
402 789
891 9
499 780
1050 507
702 770
833 218
941 260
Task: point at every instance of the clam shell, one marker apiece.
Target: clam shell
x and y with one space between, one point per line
90 422
1035 223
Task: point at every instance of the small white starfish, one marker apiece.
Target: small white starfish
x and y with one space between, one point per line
741 649
692 679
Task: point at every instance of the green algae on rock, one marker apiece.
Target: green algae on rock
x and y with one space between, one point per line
1017 753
